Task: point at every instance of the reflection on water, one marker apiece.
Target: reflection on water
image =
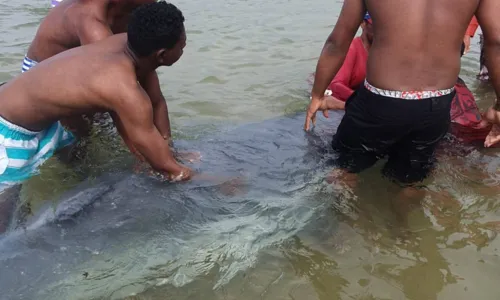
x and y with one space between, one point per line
287 233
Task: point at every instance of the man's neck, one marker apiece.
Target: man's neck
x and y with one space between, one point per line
142 65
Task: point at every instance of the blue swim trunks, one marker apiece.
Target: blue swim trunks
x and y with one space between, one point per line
28 63
54 3
22 151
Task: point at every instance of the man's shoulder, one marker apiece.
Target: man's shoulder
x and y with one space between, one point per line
120 74
118 80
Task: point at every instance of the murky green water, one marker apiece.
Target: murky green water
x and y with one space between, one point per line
248 61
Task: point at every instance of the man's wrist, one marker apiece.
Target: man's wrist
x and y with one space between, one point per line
169 140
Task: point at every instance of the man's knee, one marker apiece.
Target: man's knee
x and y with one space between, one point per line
408 172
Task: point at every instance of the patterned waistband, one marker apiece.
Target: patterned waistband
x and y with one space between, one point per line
28 63
410 95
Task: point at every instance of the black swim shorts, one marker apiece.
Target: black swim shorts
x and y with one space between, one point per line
407 131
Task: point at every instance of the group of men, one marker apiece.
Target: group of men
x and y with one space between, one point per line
402 108
87 57
101 56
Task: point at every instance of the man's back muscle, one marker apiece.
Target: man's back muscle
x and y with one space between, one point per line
417 43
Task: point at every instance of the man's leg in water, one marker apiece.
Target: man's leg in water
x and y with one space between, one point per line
413 158
80 126
371 124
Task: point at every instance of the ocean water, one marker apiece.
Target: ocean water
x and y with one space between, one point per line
267 225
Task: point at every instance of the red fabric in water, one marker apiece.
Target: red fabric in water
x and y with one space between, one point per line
352 73
467 123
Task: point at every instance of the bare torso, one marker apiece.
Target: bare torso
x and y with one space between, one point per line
58 31
417 43
78 81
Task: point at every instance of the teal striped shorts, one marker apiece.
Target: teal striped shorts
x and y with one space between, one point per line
22 151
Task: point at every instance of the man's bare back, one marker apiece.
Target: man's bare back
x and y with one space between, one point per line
416 44
73 23
90 86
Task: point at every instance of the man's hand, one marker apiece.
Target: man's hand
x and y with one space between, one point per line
185 174
323 104
493 137
493 116
466 43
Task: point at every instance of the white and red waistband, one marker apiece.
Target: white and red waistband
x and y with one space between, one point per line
409 95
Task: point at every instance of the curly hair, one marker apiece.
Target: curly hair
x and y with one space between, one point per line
154 26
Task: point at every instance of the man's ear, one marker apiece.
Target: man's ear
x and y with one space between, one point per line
160 55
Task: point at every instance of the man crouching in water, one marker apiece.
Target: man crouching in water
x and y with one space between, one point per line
73 23
100 77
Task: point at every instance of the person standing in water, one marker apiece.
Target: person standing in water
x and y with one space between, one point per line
102 76
403 108
353 71
73 23
467 122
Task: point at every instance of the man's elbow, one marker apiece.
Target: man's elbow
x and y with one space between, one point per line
336 45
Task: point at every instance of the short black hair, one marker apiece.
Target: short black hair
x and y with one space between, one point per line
154 26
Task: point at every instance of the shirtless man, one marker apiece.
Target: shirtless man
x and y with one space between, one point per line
80 22
403 108
73 23
98 77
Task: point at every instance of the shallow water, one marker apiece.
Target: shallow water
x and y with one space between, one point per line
286 234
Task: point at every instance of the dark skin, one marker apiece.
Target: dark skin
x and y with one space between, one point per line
76 22
422 55
98 77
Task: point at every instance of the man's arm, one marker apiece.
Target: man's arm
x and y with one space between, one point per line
337 45
333 54
487 15
121 130
91 30
490 25
340 85
135 115
151 85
